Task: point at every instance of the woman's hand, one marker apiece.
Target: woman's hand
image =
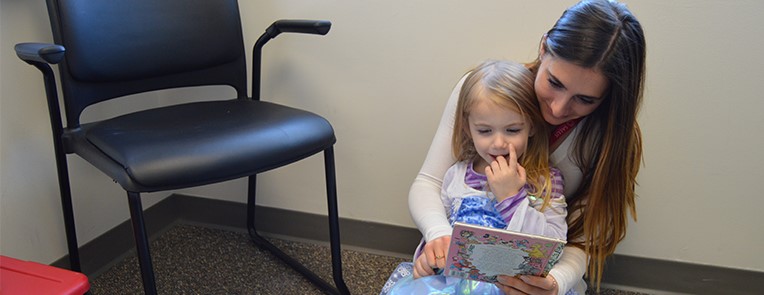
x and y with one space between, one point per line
505 176
433 256
527 285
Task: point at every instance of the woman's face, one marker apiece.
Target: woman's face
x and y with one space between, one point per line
567 91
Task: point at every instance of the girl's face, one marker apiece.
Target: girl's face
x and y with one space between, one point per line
492 128
567 91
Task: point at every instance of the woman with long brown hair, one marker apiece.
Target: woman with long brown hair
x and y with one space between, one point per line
589 82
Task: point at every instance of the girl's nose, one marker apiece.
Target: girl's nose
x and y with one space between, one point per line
500 142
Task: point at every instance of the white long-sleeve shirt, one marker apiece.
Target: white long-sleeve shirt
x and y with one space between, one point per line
430 216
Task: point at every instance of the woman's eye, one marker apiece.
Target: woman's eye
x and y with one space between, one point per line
555 83
585 100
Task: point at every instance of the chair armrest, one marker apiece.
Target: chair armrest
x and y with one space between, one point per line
40 52
41 56
318 27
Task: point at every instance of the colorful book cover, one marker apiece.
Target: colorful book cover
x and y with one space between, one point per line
481 253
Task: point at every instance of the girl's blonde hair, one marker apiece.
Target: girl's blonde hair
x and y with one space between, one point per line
509 85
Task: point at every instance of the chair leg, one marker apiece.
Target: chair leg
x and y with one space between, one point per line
333 233
141 243
68 211
334 224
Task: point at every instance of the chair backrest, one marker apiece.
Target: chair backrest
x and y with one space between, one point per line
120 47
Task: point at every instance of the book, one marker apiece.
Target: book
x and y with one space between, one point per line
481 253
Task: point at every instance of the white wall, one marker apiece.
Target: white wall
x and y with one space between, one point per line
382 76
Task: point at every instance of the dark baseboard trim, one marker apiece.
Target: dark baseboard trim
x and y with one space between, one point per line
111 247
628 272
680 277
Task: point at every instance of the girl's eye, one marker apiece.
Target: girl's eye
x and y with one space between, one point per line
484 131
514 130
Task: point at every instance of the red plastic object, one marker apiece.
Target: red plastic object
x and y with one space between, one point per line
27 277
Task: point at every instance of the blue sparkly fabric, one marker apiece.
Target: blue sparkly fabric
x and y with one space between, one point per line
431 285
478 210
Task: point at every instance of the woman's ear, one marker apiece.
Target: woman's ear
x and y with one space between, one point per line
542 47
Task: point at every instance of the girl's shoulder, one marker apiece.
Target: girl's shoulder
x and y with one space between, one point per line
555 173
557 182
456 170
459 165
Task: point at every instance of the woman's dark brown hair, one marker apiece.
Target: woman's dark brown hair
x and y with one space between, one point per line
605 36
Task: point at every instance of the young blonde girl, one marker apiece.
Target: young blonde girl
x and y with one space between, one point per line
501 179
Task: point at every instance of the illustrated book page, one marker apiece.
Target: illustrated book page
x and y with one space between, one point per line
481 253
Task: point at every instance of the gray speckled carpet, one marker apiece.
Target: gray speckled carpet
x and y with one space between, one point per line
191 259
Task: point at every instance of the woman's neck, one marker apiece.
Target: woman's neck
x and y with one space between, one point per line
559 133
554 145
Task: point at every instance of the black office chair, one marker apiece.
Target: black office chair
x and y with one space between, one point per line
111 49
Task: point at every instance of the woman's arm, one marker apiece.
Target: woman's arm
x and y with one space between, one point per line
424 196
425 202
569 270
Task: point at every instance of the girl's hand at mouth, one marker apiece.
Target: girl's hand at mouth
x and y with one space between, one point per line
505 176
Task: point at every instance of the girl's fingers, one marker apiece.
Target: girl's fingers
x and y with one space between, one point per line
429 255
421 268
512 157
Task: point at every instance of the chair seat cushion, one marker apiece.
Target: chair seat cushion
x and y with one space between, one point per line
200 143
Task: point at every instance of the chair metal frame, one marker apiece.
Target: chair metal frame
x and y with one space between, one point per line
42 55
